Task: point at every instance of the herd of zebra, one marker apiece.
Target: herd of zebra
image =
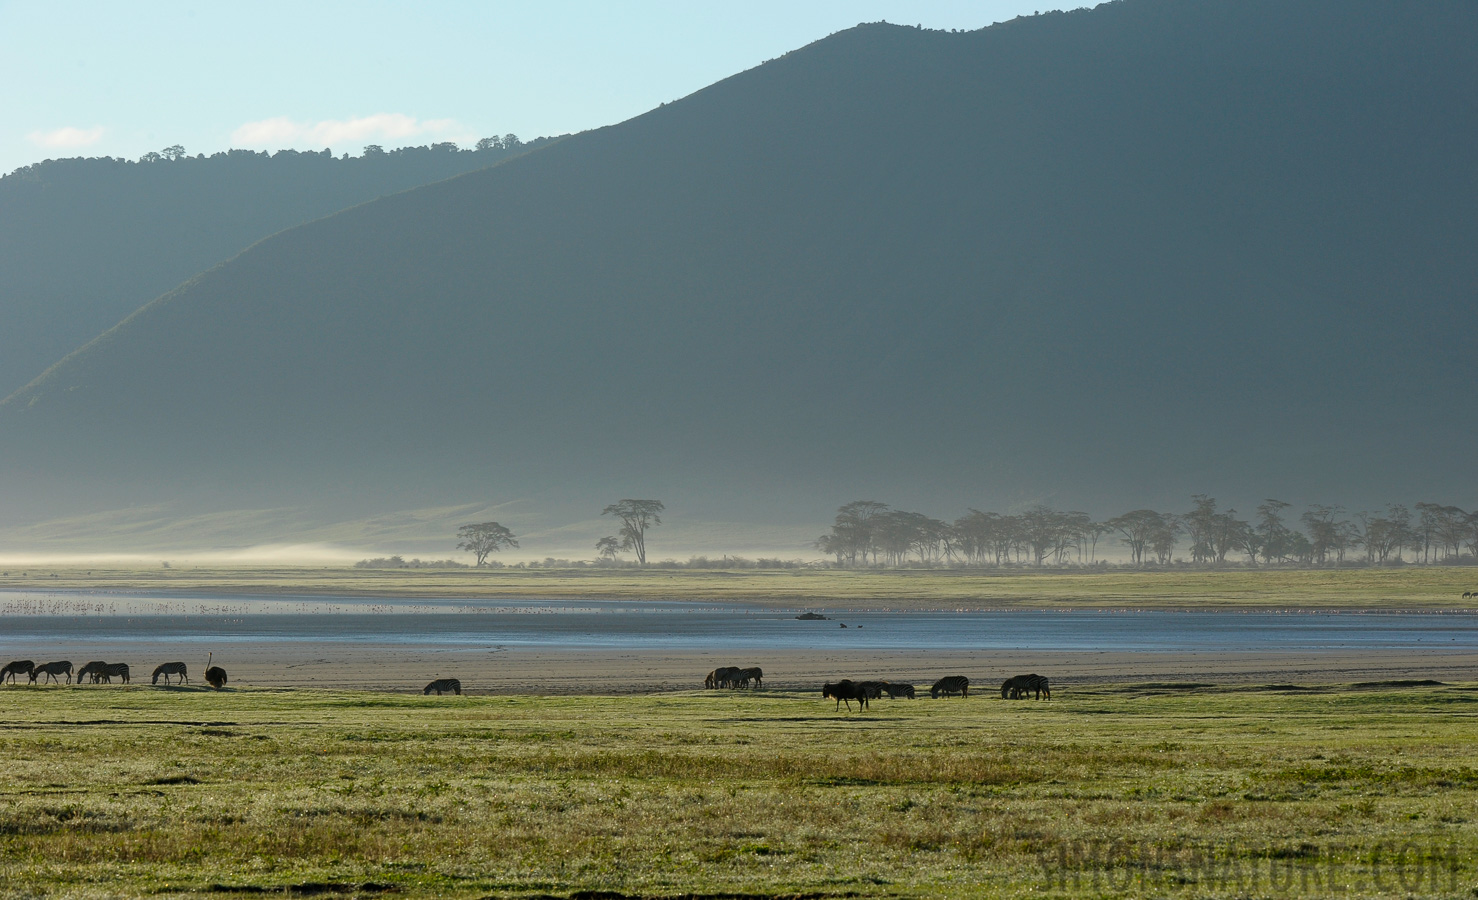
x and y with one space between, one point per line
847 690
735 677
99 672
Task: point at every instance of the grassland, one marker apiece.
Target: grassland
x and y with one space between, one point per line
1409 588
1130 790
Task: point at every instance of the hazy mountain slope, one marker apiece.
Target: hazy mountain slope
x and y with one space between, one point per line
1108 258
85 242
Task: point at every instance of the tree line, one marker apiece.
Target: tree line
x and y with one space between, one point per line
869 533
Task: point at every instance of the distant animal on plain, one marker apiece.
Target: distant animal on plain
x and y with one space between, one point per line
950 684
215 676
1018 687
18 667
52 670
723 677
895 690
845 691
171 668
753 673
1468 595
114 670
441 685
91 672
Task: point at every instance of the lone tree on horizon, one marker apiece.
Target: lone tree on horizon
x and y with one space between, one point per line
484 538
636 517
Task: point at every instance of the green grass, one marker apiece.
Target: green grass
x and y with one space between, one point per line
1135 790
1411 587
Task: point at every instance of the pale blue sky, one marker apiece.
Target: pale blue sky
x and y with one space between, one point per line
87 78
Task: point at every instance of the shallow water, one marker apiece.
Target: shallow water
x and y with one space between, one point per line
32 617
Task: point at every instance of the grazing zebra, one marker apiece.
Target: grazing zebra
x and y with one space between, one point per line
755 674
112 670
52 670
92 671
845 691
215 676
873 689
1470 595
894 691
444 684
1018 687
950 684
168 669
19 667
723 677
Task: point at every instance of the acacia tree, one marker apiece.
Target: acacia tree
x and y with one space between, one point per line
608 548
636 517
484 538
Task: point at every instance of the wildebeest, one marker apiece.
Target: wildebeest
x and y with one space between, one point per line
950 684
215 676
52 670
171 668
1018 687
895 690
18 667
91 672
114 670
441 685
845 691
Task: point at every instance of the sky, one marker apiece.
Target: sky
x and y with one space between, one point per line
91 78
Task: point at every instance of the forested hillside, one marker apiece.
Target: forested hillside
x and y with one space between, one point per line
1104 259
85 242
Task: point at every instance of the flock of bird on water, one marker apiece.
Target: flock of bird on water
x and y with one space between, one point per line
731 677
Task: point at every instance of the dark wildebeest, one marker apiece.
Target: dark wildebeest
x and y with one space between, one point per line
19 667
441 685
950 684
845 691
894 690
114 670
1018 687
168 669
215 676
92 672
52 670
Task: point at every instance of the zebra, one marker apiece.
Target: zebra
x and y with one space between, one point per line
444 684
722 677
873 689
845 691
1018 687
950 684
52 670
755 674
894 691
19 667
215 676
171 668
114 669
92 671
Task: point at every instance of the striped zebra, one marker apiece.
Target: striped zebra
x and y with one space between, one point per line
114 670
1018 687
215 676
92 672
723 677
873 689
18 667
895 690
753 673
52 670
950 684
172 668
442 685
